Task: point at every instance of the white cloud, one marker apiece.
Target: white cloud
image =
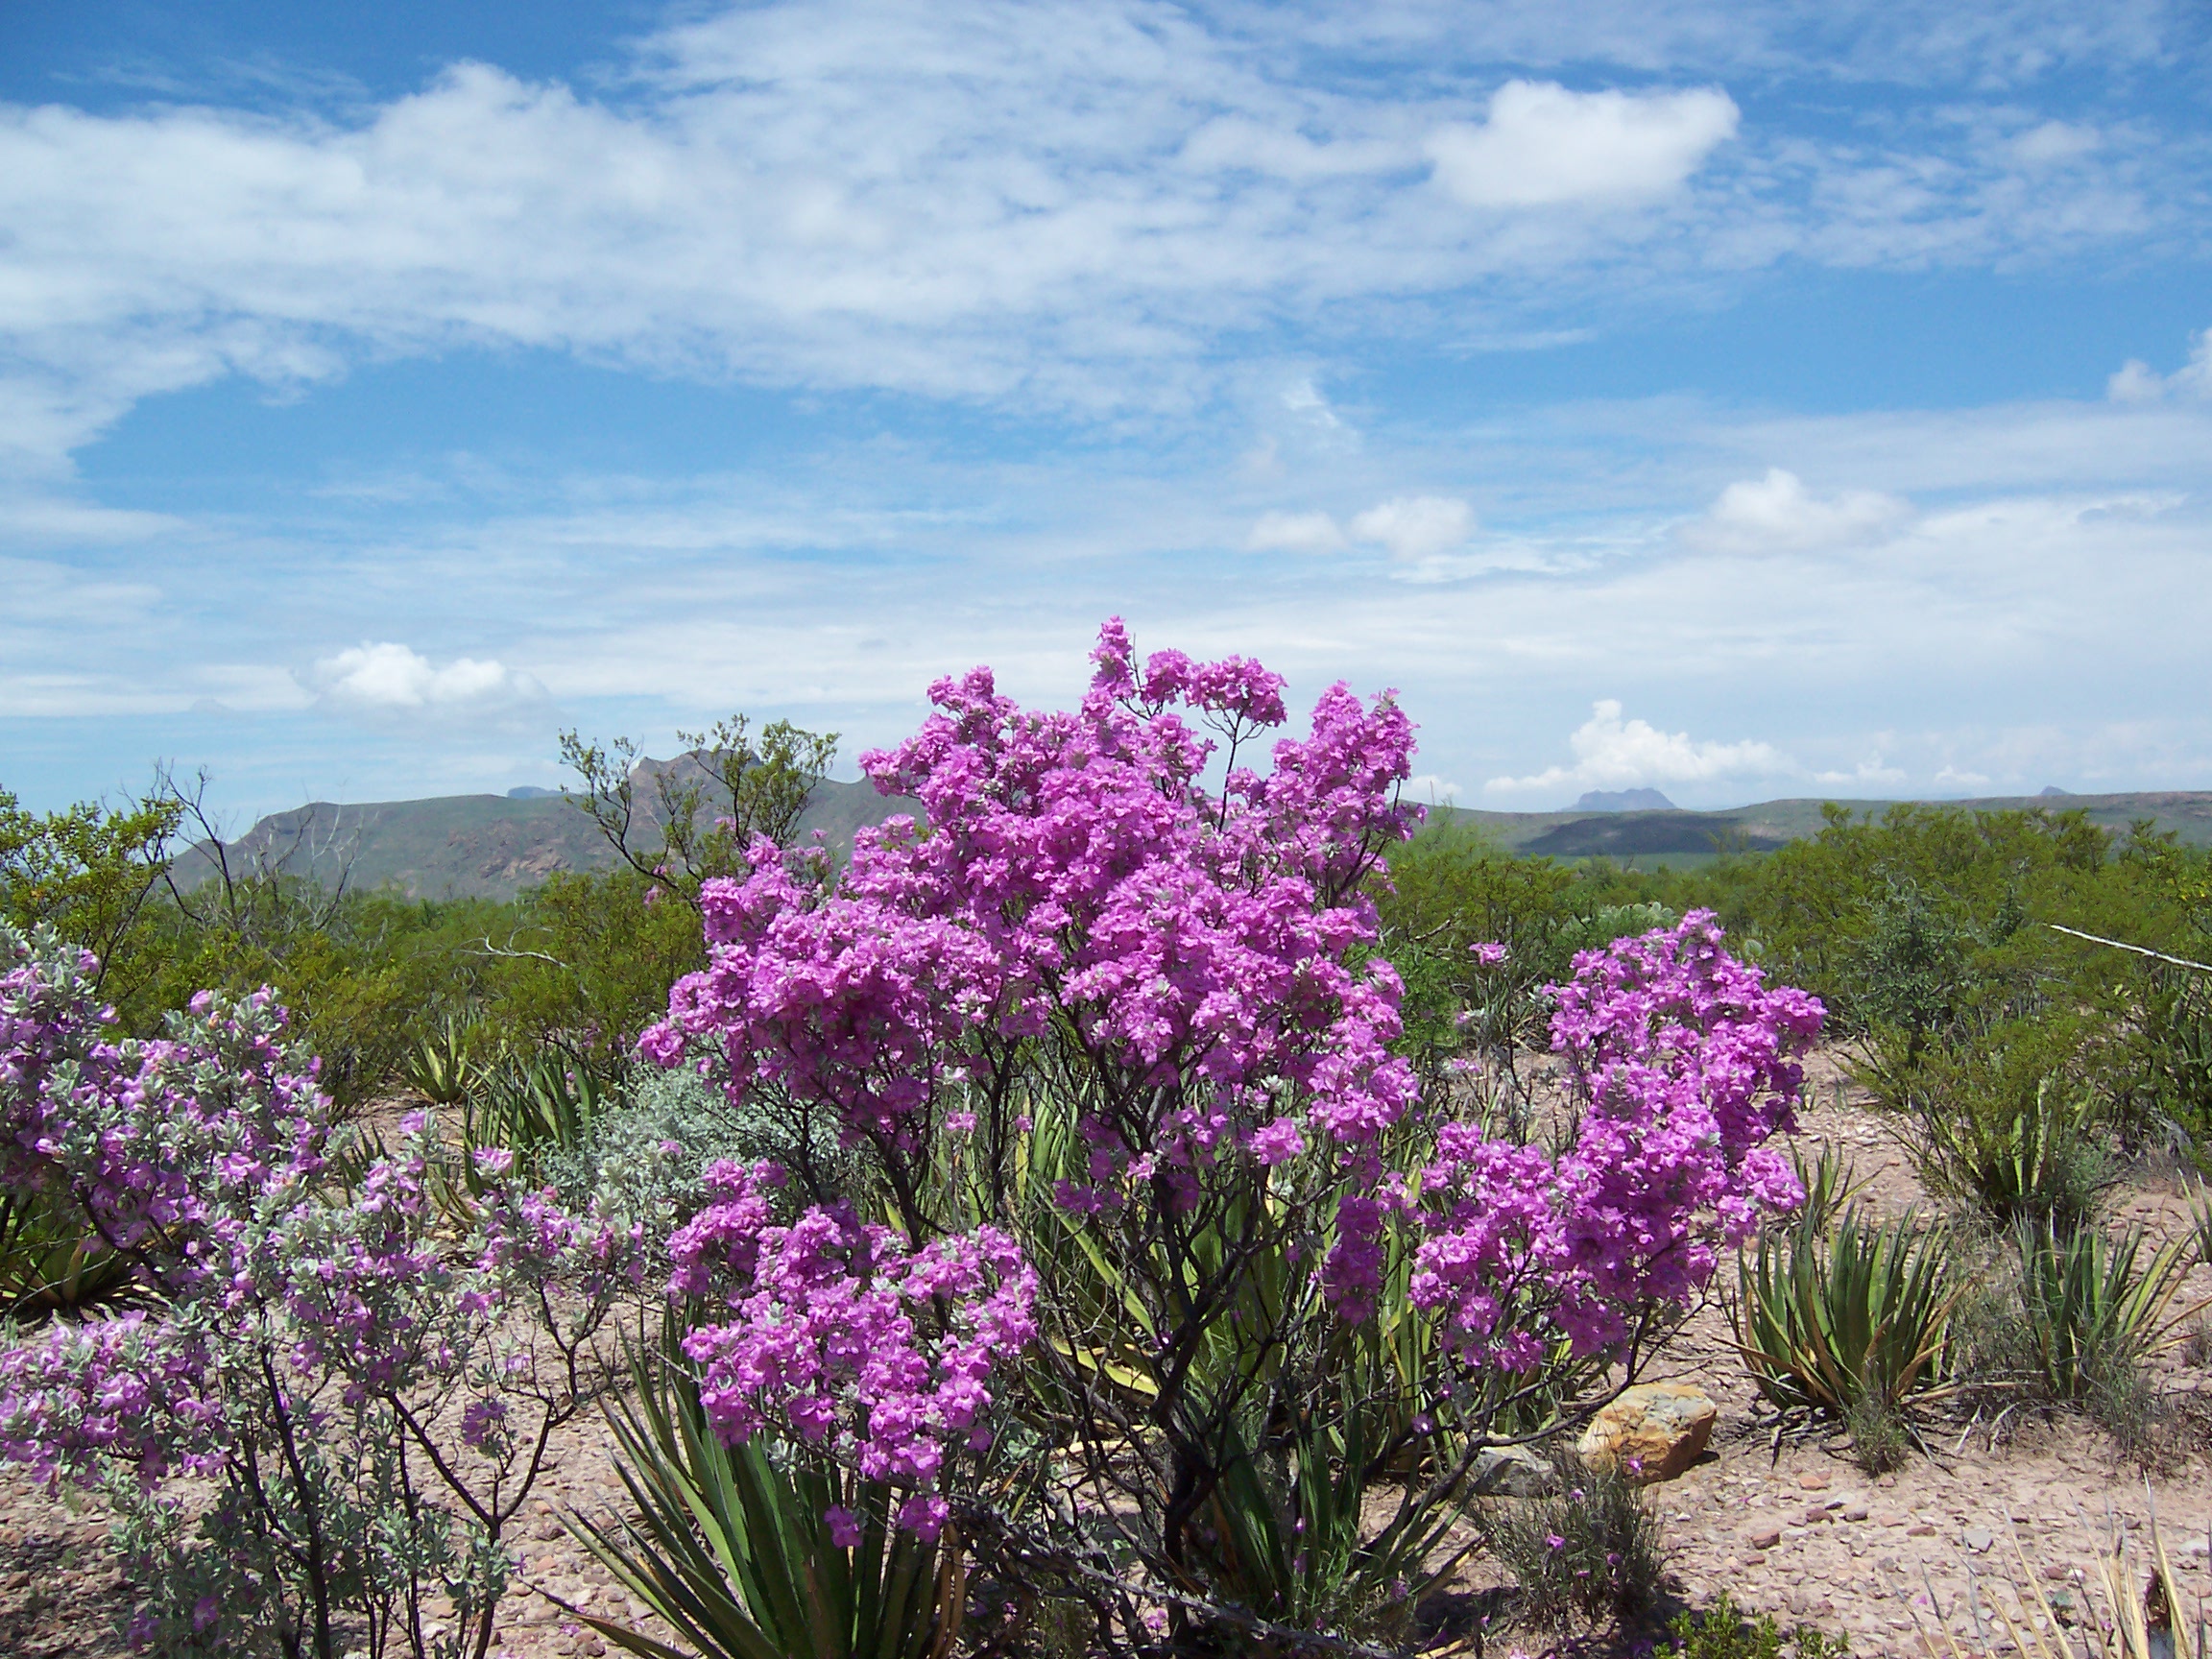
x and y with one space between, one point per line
388 678
2054 141
1412 528
1295 533
1777 515
1611 753
1544 145
1957 778
1431 790
2137 383
1086 205
1869 774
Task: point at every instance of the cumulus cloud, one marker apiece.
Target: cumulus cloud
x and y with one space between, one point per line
1544 145
2137 383
385 678
1431 790
1778 514
1611 753
1295 533
1414 527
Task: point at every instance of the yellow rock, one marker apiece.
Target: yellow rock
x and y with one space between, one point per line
1653 1431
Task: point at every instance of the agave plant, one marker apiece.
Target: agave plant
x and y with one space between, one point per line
48 1265
2095 1307
1850 1322
444 1064
548 1104
733 1549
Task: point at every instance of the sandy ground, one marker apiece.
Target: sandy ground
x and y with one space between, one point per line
1793 1529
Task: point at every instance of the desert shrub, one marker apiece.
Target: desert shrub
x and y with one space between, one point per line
337 1367
2005 1145
91 873
1594 1550
1853 1323
1448 889
1119 1056
2069 1319
1722 1632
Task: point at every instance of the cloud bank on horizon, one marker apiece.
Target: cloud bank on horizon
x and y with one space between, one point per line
1822 398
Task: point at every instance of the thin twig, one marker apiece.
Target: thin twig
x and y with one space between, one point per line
2136 949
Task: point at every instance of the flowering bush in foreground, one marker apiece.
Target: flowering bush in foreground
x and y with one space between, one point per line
1141 1025
368 1418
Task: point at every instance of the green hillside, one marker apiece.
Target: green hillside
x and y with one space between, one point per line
493 846
471 846
1679 836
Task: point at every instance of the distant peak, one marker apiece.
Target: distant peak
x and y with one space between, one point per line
1625 801
2053 789
529 792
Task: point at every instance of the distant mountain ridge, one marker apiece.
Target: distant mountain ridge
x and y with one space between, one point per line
479 846
495 846
1762 827
1624 801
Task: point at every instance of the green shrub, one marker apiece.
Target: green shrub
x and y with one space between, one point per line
2007 1148
1595 1549
1721 1632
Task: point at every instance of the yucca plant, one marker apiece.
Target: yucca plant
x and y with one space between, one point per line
1853 1323
1824 1324
2200 1223
444 1064
48 1265
2040 1162
731 1548
1288 1532
547 1104
2096 1308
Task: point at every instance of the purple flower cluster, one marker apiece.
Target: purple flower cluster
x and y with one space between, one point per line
1683 1063
840 1335
116 1388
1076 877
170 1147
195 1156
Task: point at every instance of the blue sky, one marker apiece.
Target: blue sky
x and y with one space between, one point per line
1738 399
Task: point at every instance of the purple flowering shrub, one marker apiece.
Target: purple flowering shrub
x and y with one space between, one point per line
366 1396
1681 1065
1164 1217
